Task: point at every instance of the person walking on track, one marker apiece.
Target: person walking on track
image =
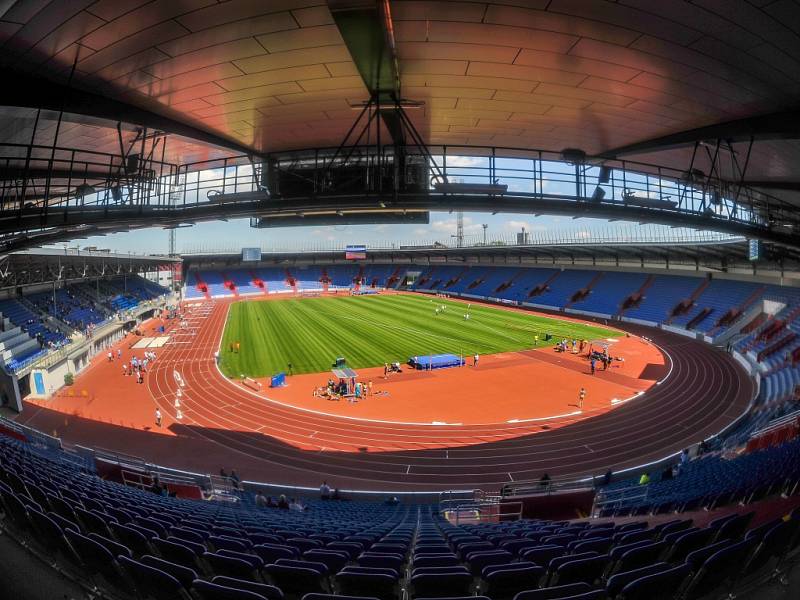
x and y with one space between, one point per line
158 417
581 398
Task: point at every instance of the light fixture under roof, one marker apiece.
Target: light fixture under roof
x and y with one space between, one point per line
405 104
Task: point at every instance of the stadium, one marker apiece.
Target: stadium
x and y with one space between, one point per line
399 299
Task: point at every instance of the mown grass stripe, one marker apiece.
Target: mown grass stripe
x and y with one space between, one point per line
370 330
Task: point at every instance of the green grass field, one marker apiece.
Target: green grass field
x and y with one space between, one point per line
370 330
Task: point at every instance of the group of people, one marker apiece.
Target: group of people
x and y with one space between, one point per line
282 503
326 493
134 366
604 358
232 478
391 368
335 391
674 470
564 345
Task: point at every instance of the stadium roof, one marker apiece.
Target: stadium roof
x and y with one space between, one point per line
636 78
715 255
45 266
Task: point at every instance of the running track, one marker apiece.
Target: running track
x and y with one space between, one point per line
704 392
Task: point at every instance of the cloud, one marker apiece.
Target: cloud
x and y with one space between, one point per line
421 231
515 226
462 161
449 226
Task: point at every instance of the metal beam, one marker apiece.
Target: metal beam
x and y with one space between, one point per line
24 225
783 125
26 90
793 186
368 32
366 28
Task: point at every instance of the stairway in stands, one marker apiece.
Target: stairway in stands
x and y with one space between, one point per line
359 279
454 280
229 284
734 314
582 293
324 280
394 279
291 281
201 285
509 283
635 298
686 305
542 287
258 282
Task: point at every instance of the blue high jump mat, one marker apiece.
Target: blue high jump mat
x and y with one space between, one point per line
435 361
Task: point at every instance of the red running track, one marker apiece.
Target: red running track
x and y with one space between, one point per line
225 425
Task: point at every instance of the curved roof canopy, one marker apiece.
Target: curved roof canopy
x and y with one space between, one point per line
636 78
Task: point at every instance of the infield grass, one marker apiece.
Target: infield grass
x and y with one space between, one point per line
310 333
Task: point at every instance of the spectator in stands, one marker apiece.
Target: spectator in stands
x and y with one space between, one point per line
157 488
283 503
607 477
235 480
297 505
667 474
261 499
392 501
702 448
223 474
684 458
325 491
336 495
644 479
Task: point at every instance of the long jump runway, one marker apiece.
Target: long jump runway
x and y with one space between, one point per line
225 425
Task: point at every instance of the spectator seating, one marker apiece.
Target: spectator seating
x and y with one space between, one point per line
28 338
129 541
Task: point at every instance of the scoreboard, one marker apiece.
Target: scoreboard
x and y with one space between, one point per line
251 254
355 252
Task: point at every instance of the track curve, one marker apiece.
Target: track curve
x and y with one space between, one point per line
704 391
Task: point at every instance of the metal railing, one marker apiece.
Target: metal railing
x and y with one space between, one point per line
546 487
476 506
34 436
586 236
616 498
39 180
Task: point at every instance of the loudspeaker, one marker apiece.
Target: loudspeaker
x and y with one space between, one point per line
599 194
605 174
133 163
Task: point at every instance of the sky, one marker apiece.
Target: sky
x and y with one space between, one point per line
517 174
235 234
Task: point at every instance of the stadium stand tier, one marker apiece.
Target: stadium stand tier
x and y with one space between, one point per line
34 324
140 542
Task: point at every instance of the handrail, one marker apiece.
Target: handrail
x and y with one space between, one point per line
777 423
530 174
615 497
